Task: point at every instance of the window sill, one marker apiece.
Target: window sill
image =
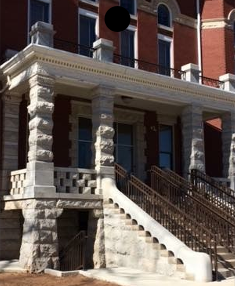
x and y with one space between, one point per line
165 28
96 4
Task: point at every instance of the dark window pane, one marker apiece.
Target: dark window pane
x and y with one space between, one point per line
87 35
39 11
85 129
84 155
165 138
164 57
125 157
125 134
129 5
165 160
163 15
127 48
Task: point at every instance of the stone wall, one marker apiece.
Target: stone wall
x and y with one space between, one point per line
11 224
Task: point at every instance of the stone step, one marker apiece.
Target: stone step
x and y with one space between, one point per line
135 227
130 222
143 233
226 256
164 252
150 239
180 267
189 277
228 263
225 273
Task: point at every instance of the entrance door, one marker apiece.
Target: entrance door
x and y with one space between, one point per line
166 146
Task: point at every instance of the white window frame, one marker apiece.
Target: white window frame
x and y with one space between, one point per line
94 3
170 40
88 14
133 29
50 15
135 9
170 14
172 124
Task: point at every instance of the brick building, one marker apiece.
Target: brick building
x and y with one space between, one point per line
77 97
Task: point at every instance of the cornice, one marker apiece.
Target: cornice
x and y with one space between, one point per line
68 67
216 23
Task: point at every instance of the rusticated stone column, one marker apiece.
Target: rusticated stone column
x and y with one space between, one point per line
228 145
39 249
103 132
193 139
10 135
40 169
95 253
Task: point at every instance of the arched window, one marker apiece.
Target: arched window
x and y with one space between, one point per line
164 15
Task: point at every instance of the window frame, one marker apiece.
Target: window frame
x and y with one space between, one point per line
165 123
170 40
135 8
86 141
115 154
49 15
170 18
132 29
88 14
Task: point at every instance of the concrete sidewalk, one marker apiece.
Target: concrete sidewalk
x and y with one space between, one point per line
133 277
11 266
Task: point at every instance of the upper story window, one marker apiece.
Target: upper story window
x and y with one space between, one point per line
128 48
39 11
164 17
164 56
87 32
129 5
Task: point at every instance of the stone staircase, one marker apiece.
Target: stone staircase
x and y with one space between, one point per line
226 263
128 244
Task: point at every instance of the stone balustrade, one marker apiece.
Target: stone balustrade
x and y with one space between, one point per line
18 181
75 181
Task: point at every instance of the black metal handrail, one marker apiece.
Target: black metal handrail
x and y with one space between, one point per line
183 226
186 185
183 195
222 197
212 82
73 47
143 65
72 256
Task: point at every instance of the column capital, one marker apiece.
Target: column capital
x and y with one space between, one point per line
103 90
42 80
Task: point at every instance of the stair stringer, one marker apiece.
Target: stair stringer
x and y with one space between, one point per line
196 264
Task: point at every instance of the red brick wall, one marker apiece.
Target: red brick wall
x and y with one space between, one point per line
183 53
65 20
228 6
217 52
14 25
187 7
61 128
104 6
212 9
147 46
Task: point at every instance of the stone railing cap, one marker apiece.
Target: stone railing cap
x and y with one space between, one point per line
227 77
103 42
190 66
43 27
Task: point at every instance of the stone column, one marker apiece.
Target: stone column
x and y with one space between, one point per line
103 50
95 253
40 168
228 147
228 82
103 132
39 249
191 73
42 34
10 134
193 139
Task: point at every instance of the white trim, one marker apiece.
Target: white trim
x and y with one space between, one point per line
91 15
87 13
170 40
90 2
170 29
133 16
170 13
28 16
